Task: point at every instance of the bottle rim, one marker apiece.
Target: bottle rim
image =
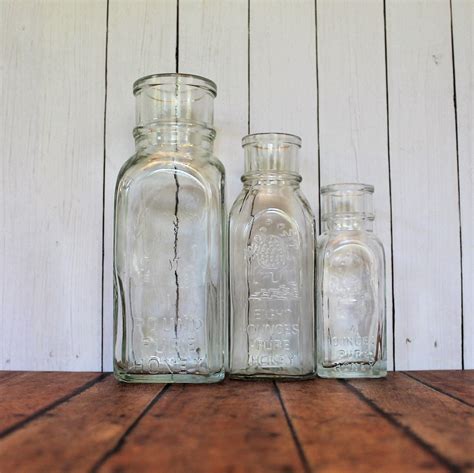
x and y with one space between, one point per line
192 80
280 138
347 188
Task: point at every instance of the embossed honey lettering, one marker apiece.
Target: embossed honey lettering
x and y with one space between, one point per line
152 323
280 360
354 347
155 364
272 329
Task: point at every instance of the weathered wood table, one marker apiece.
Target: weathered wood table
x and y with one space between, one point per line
413 421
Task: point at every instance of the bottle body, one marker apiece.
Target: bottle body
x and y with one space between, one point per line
169 268
351 315
271 249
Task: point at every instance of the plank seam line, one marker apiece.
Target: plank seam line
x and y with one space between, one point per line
405 429
248 67
317 113
122 439
176 54
455 105
389 162
439 390
301 454
104 167
53 405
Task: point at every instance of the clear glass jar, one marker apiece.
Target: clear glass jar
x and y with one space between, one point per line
271 238
351 316
169 241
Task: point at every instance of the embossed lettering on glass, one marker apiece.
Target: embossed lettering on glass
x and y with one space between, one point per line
271 232
351 315
169 265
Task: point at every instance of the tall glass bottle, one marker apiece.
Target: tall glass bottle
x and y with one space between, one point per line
169 267
271 235
351 315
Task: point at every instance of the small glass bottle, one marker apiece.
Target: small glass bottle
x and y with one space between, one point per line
350 295
271 238
169 239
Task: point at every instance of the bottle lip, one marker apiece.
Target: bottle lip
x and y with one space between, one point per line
280 138
347 188
271 175
173 78
325 217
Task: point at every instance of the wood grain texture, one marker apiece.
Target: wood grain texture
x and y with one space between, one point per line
89 422
443 424
233 426
8 374
463 48
340 432
213 44
51 130
283 92
141 41
28 393
75 435
459 384
424 186
353 110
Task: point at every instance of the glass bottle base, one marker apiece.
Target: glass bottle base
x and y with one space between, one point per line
267 376
125 377
353 370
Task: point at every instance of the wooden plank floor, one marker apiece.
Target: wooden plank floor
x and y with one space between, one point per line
88 422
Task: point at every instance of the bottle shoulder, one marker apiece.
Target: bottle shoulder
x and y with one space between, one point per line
256 209
142 164
329 242
253 199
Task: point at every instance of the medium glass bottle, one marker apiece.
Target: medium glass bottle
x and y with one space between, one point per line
169 265
350 295
271 238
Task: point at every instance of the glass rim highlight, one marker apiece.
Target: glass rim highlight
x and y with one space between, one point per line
347 188
168 78
269 137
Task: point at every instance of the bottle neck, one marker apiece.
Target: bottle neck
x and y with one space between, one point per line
180 137
271 158
353 222
266 178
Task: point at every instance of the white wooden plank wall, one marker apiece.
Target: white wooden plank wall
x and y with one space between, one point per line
370 91
52 57
463 50
424 185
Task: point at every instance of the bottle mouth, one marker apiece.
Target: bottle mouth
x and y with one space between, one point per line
271 139
179 98
271 152
173 78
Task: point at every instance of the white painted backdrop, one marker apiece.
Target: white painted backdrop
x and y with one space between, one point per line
380 92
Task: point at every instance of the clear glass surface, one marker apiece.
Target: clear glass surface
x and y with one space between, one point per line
351 318
169 239
271 231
